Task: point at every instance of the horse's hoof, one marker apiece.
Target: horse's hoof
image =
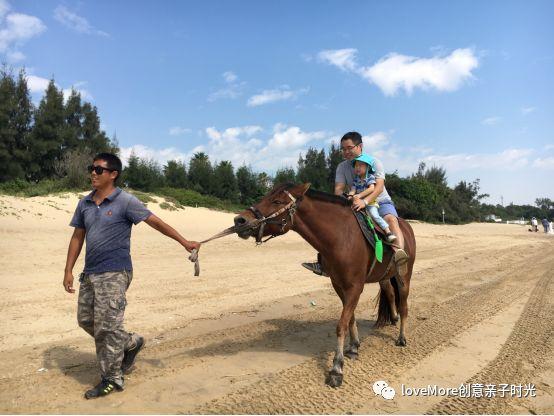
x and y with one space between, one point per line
401 342
334 380
353 355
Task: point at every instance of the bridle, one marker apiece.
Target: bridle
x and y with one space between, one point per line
260 222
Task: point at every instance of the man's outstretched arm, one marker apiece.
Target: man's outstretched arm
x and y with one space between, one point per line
156 223
75 246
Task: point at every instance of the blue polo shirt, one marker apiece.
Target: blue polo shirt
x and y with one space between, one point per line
108 230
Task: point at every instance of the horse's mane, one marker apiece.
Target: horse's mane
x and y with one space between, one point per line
327 197
314 194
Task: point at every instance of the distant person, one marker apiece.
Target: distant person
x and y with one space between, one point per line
545 224
363 186
351 146
104 218
534 224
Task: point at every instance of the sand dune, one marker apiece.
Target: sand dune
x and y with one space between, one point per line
255 332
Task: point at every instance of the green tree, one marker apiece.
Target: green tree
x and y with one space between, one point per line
8 105
143 174
249 189
175 174
334 157
285 175
72 134
93 137
23 120
313 168
225 182
201 173
46 138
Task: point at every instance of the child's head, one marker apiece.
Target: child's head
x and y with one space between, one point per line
360 169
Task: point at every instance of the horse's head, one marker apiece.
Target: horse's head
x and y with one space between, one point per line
273 215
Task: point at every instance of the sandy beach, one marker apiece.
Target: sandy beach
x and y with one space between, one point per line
255 332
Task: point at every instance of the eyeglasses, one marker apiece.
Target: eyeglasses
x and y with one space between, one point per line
99 170
348 148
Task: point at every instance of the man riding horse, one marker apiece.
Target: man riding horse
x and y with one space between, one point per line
351 146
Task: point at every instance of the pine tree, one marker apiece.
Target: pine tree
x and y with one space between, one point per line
249 191
313 169
73 127
9 169
46 138
286 175
23 123
225 181
333 159
201 173
175 174
94 138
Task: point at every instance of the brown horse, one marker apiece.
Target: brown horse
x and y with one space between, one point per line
327 223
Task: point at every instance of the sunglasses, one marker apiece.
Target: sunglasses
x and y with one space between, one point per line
99 170
348 148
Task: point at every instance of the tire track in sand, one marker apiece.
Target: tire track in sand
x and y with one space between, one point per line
301 389
528 347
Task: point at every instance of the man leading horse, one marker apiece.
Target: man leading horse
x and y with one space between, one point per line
351 147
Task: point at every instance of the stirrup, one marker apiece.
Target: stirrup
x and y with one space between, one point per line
315 268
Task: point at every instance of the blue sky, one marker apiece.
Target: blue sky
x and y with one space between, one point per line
463 85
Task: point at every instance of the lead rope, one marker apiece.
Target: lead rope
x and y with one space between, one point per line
194 253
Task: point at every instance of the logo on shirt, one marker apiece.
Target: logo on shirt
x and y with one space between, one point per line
109 213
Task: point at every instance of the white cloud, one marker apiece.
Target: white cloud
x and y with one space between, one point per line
544 163
395 72
509 159
75 22
159 155
234 88
229 77
282 93
375 141
15 56
528 110
491 121
37 85
178 131
4 8
292 137
16 29
341 58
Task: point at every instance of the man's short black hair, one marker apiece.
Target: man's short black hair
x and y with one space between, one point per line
354 136
112 162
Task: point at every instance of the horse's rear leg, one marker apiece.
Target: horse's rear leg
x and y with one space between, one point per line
403 307
351 297
388 290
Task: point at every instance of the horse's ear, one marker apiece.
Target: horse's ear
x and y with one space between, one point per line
300 190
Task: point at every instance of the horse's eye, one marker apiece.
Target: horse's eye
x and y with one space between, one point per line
277 202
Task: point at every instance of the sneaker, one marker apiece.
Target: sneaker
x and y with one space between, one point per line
103 388
315 268
401 261
391 238
130 355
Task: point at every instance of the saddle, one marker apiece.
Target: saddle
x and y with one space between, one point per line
369 235
367 232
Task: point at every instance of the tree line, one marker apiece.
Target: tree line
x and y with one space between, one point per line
54 142
45 141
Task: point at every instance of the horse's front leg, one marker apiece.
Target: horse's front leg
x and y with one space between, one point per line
352 296
352 351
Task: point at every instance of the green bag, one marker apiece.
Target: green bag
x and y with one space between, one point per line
378 242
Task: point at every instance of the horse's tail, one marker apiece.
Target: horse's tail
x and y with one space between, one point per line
384 315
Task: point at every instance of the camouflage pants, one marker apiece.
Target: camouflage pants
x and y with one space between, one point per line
100 312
